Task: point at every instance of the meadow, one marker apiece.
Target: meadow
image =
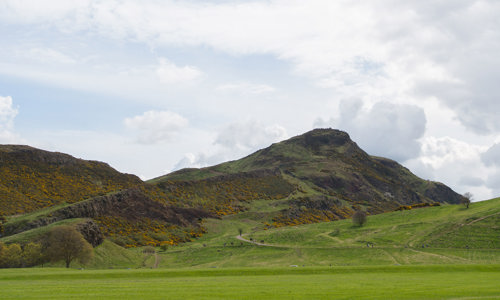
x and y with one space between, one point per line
445 252
372 282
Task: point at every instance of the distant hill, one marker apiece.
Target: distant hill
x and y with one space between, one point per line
31 179
322 174
57 187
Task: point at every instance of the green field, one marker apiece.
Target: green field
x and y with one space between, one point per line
446 252
388 282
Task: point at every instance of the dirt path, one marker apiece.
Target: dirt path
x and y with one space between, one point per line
157 261
482 218
328 236
239 237
460 226
392 257
439 255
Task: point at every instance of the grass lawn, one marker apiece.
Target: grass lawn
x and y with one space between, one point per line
384 282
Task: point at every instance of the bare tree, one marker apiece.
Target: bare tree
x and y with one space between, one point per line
466 199
67 244
359 218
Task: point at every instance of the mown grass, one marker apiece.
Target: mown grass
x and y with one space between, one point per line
403 282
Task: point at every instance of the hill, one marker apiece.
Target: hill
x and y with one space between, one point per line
321 175
40 188
32 179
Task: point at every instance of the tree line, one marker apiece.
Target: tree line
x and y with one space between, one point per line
61 243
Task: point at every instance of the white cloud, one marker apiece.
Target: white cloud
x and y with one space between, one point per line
249 135
234 141
492 156
437 152
169 73
7 115
47 55
456 161
386 129
398 50
245 88
156 126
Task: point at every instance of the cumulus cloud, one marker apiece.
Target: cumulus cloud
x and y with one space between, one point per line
390 130
456 161
234 141
156 126
492 156
249 135
7 115
170 73
402 49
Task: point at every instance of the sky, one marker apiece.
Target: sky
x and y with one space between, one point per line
154 86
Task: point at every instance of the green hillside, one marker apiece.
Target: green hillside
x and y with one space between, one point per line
448 234
321 175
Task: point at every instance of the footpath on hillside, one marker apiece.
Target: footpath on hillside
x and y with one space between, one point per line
239 237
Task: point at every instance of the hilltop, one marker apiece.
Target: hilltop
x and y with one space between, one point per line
32 179
321 175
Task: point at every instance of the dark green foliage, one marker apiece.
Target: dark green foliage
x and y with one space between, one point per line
16 256
359 218
2 221
149 250
67 244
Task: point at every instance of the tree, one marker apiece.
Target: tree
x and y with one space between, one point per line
32 254
67 244
10 256
466 199
359 218
2 220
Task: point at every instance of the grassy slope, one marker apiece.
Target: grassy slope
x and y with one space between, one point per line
433 235
36 233
397 238
415 282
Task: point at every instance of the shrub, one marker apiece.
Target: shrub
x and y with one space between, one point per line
359 218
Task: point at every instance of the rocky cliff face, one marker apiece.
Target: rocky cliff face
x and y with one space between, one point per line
91 232
131 205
